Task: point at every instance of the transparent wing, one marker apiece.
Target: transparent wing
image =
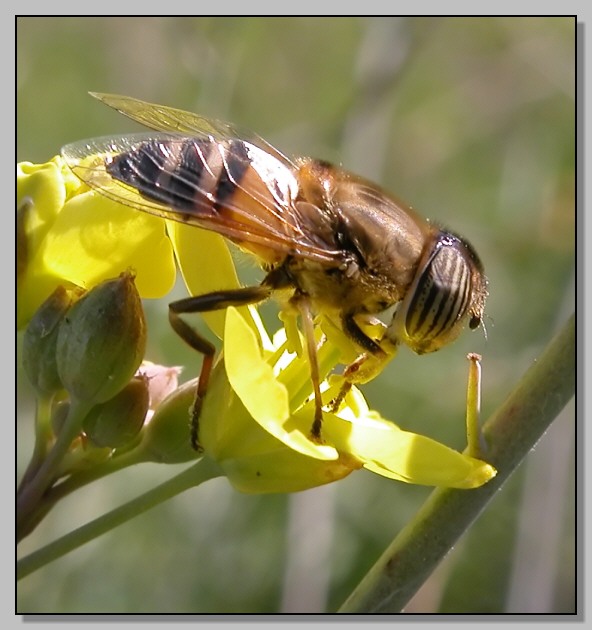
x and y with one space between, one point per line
170 119
260 214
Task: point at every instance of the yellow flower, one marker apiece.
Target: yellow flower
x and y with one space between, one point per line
255 425
257 415
69 235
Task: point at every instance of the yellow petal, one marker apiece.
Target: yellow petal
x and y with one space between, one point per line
253 460
44 186
282 470
389 451
264 397
94 238
69 235
206 266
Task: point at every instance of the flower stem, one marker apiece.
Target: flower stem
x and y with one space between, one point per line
43 436
31 492
73 482
196 474
511 432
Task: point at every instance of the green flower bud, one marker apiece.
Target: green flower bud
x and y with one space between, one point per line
102 341
166 438
40 339
118 421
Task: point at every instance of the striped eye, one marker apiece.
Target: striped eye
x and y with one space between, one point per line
448 287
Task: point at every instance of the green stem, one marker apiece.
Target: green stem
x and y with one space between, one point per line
201 471
74 482
30 493
511 433
43 436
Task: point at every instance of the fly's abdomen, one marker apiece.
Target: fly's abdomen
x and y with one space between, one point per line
183 174
229 186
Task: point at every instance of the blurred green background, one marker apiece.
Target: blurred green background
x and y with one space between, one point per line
472 121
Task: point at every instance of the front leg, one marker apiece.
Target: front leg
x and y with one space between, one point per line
200 304
368 364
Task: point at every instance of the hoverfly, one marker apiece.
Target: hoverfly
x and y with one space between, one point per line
335 243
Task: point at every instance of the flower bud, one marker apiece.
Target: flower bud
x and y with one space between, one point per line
40 339
162 380
102 341
118 421
166 438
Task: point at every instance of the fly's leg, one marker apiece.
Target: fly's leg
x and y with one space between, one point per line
303 305
200 304
349 378
368 364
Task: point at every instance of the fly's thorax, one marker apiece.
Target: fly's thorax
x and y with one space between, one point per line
448 291
344 288
317 180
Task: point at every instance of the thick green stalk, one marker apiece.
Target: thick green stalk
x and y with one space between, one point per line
511 432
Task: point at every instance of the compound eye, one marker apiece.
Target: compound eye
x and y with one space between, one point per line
440 300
